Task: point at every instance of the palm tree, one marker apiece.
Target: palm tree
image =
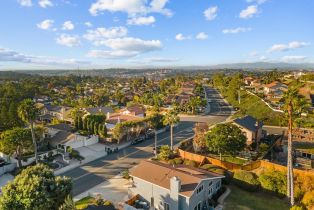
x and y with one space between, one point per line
28 112
154 122
294 105
171 119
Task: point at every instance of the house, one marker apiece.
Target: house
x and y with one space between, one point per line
98 110
61 136
275 88
178 187
113 119
252 128
248 80
48 112
134 110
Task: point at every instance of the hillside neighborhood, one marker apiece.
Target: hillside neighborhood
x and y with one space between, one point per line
186 142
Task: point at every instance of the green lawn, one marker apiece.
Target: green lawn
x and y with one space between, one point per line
254 106
243 200
84 202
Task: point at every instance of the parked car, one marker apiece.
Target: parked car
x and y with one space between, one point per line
138 140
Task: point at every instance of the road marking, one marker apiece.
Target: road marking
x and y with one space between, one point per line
123 157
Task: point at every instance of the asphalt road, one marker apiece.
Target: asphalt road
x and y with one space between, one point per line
96 172
218 109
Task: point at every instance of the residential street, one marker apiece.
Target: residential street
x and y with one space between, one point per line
96 172
219 109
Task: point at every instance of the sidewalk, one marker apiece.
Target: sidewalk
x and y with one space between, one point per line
114 190
4 179
90 153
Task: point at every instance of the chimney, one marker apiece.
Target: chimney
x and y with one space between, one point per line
175 185
175 188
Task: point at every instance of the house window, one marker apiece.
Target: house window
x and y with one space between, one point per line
210 191
200 189
166 206
210 183
198 207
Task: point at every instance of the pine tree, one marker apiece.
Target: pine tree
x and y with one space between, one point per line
80 123
76 123
95 130
85 124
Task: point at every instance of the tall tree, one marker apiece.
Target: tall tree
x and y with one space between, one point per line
294 105
16 141
28 112
154 123
35 188
225 139
171 118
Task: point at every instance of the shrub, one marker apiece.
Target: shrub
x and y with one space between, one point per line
246 180
273 180
165 152
190 163
208 166
220 171
126 174
175 161
308 199
295 207
178 161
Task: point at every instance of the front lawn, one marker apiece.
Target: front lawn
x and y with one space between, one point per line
243 200
84 202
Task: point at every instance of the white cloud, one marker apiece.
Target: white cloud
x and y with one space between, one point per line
68 40
45 3
249 12
181 37
25 3
211 13
141 20
153 60
256 1
88 24
46 24
132 7
289 46
125 47
100 35
263 58
202 36
235 30
7 55
293 58
68 25
253 54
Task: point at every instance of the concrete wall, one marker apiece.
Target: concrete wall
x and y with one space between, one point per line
82 141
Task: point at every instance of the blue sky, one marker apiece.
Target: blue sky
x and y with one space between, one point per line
48 34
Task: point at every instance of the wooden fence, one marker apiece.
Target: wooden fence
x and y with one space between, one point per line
223 164
200 159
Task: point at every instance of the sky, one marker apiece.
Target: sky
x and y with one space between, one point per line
61 34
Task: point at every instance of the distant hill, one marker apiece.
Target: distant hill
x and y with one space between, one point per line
141 70
256 66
